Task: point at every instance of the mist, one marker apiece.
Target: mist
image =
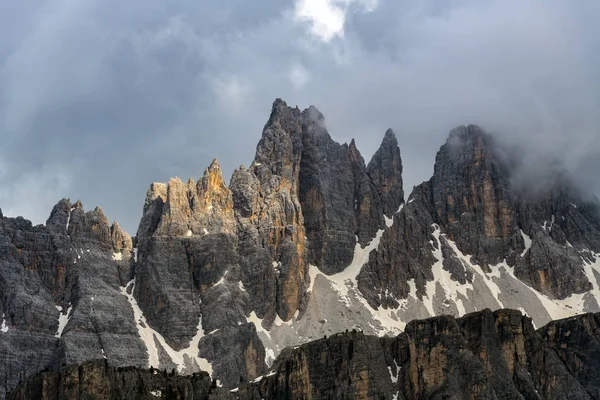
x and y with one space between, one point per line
99 98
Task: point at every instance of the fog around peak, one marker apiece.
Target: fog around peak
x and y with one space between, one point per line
100 98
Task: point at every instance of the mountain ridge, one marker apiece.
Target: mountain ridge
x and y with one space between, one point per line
307 241
483 355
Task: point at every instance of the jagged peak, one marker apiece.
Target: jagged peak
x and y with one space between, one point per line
120 239
214 165
98 210
463 133
389 139
389 142
313 114
156 190
281 111
212 178
174 180
115 226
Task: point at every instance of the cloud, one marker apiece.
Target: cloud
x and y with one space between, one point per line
27 194
299 76
327 17
112 96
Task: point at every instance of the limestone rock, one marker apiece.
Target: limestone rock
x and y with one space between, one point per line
484 355
385 171
98 380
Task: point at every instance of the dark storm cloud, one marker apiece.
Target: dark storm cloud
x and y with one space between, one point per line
100 98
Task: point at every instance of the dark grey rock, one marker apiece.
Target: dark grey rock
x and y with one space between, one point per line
385 171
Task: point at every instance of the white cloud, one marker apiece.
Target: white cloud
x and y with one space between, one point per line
327 17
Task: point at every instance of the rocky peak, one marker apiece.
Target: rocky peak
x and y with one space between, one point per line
213 191
59 217
119 238
99 225
278 151
269 211
190 208
385 171
176 211
153 205
156 191
471 193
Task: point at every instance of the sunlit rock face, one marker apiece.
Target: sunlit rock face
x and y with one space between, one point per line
308 240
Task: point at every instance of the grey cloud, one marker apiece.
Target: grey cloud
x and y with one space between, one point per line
100 98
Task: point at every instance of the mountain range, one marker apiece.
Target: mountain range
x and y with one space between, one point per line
240 280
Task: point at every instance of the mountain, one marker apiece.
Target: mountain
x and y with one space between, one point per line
483 355
309 240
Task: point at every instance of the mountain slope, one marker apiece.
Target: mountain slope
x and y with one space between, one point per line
484 355
309 240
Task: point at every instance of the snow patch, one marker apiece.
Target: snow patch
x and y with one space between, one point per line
63 319
69 218
393 377
559 309
527 241
117 256
269 351
147 334
388 221
313 271
135 254
205 231
156 393
3 327
278 321
346 284
347 278
222 280
188 233
451 287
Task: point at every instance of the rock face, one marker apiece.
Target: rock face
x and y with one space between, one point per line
484 355
311 240
98 380
577 342
483 222
385 171
59 293
341 198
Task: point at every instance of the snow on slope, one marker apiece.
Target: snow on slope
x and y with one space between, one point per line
187 360
63 319
336 303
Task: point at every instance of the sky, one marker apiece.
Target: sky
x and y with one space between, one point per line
99 98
